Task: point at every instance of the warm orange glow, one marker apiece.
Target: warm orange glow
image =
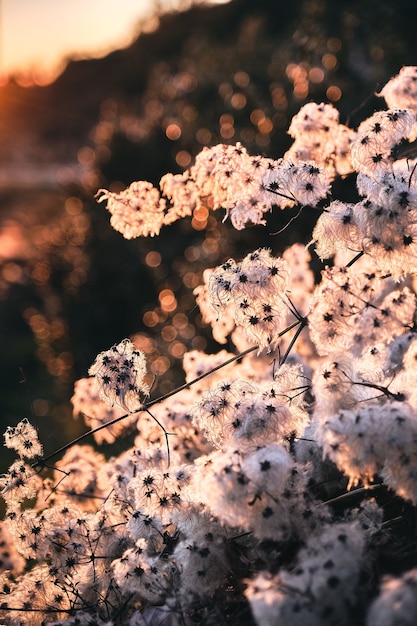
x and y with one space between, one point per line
279 98
316 75
192 253
144 343
160 365
257 117
227 131
180 320
38 37
225 90
73 206
168 333
12 272
266 126
210 246
329 61
12 242
201 214
183 158
191 280
150 319
167 300
241 79
301 90
238 101
173 132
86 156
188 332
200 217
153 259
177 349
203 136
334 93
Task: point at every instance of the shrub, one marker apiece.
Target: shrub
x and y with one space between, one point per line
276 485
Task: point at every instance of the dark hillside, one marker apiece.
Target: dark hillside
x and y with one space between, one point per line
71 286
260 38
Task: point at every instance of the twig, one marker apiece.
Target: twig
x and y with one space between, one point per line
302 324
355 258
40 463
362 491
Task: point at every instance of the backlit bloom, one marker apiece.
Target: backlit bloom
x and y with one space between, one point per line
87 402
319 137
376 138
182 193
253 292
387 221
19 483
401 91
24 439
221 326
137 211
337 305
244 414
287 183
336 230
81 465
245 489
119 374
201 557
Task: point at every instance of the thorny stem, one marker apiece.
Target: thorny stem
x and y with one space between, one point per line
40 463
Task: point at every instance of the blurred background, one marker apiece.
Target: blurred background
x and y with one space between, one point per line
96 93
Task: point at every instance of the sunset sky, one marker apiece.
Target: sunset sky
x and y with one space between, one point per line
38 34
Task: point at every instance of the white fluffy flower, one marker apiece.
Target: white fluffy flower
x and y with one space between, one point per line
119 374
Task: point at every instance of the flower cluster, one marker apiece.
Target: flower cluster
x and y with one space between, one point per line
401 92
137 211
222 177
372 149
383 224
119 376
320 138
263 490
251 293
24 439
98 414
321 585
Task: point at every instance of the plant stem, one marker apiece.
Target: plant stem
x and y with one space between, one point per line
40 463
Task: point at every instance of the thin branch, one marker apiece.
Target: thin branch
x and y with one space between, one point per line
40 463
281 230
355 258
166 433
302 323
411 175
349 495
